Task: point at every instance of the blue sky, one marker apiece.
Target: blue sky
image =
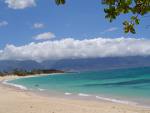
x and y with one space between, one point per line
77 19
27 25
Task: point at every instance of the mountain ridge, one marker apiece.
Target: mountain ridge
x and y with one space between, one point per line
87 64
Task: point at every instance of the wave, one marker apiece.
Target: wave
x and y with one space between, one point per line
108 99
68 93
40 89
15 85
84 95
115 100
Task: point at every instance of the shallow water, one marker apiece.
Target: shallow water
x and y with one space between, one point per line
120 85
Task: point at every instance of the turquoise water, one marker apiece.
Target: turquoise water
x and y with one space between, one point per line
122 84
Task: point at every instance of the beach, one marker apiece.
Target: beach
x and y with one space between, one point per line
14 100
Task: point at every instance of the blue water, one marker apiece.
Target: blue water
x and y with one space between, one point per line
122 84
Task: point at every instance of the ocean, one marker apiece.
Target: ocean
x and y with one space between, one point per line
117 85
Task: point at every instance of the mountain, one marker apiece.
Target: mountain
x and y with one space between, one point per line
99 63
87 64
9 65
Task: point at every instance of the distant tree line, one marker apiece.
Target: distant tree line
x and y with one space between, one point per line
20 72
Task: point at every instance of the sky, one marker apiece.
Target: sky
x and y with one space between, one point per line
76 29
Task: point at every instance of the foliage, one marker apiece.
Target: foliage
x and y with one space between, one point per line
136 7
59 2
116 7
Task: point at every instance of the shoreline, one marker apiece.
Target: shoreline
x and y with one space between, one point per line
70 95
67 95
4 79
11 77
103 102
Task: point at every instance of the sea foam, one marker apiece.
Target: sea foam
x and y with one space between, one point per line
115 100
68 93
40 89
83 94
15 85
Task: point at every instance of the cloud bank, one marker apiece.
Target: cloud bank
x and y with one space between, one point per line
20 4
72 48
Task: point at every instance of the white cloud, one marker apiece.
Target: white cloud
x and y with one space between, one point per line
3 23
110 30
38 25
20 4
71 48
45 36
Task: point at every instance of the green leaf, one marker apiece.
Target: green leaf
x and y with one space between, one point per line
60 2
137 21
